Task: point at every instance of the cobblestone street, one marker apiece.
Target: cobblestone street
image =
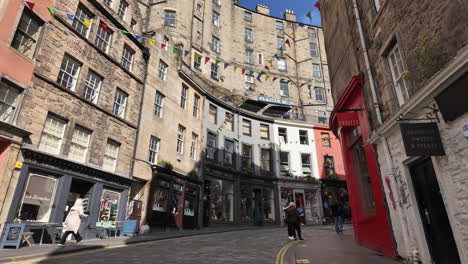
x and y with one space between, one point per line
266 246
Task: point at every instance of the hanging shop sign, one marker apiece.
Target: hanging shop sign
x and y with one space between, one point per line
348 119
275 101
422 139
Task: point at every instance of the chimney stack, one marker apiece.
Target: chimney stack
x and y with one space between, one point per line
289 15
263 9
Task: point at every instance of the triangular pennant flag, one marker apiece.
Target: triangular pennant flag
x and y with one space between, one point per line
251 72
137 36
281 80
303 84
301 24
87 22
251 89
163 45
258 77
235 67
197 56
151 42
281 50
254 85
226 65
274 79
71 17
267 77
287 42
124 31
217 62
271 62
186 52
207 59
309 15
104 26
51 10
296 83
294 35
30 4
243 70
262 72
267 68
276 56
174 50
317 5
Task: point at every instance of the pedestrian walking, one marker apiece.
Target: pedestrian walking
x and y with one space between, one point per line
72 222
293 220
337 210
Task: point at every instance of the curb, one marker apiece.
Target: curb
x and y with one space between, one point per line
119 244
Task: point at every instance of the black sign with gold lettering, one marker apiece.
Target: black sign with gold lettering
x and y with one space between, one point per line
422 139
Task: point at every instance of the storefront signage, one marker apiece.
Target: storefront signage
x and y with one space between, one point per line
348 119
465 130
18 165
275 101
422 139
12 235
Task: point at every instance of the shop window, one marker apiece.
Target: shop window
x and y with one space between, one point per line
265 156
286 196
169 18
268 205
363 180
246 127
264 132
211 145
27 34
213 114
69 72
303 137
247 156
180 139
312 201
221 200
161 197
103 38
283 135
284 163
79 19
9 96
306 165
176 192
109 207
52 135
326 140
190 201
229 122
38 198
79 144
92 87
329 167
228 153
245 202
111 155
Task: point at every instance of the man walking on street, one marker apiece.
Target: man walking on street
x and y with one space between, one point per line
337 210
293 221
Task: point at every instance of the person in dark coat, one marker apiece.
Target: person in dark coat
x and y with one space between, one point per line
293 220
337 210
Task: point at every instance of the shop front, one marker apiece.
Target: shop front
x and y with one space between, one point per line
173 200
332 191
305 195
48 187
257 203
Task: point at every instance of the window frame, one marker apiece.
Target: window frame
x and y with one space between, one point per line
310 34
249 79
60 138
284 85
194 146
280 42
159 104
153 149
286 163
63 73
213 114
12 114
119 107
229 117
86 148
309 165
319 94
170 21
249 59
402 93
196 105
24 34
325 139
245 158
267 131
301 137
78 20
284 135
248 16
231 151
127 61
313 49
248 35
262 160
246 124
162 70
180 139
278 22
216 19
283 62
214 73
91 90
215 44
122 12
316 70
103 38
106 154
184 96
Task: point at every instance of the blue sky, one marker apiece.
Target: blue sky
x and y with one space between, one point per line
277 7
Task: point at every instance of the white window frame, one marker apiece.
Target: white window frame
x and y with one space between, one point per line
282 65
196 105
27 34
284 92
305 165
312 33
122 9
319 94
248 16
277 23
54 133
184 96
216 19
215 44
214 71
313 50
397 69
284 164
153 150
283 135
77 143
249 80
248 35
170 18
213 114
92 87
9 97
78 21
194 146
162 70
280 42
159 104
103 38
249 59
69 72
180 139
301 136
127 58
316 70
109 157
120 103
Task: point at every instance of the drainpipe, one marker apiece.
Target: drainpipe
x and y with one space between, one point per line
402 218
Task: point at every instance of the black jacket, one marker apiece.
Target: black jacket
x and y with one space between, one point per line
292 215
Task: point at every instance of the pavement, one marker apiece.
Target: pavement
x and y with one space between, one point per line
207 246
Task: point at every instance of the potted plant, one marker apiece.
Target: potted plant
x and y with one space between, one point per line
165 164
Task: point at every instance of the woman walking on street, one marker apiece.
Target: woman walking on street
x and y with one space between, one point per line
72 222
293 221
337 210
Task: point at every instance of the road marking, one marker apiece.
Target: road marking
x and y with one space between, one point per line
282 252
302 261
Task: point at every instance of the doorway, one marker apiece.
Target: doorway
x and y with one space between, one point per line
434 217
299 198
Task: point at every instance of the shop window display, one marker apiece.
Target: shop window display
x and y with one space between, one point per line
268 205
221 200
160 200
189 202
312 202
246 202
38 198
109 207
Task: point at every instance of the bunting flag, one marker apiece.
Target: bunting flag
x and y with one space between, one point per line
294 35
251 73
303 84
276 56
30 5
274 79
258 77
217 62
124 31
309 15
226 65
271 62
71 17
301 24
251 89
104 26
174 50
254 85
87 23
207 59
137 36
267 68
186 52
296 83
281 49
317 5
287 42
281 80
197 56
163 45
235 68
243 71
267 77
151 42
51 10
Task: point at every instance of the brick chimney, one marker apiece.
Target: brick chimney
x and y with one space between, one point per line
263 9
289 15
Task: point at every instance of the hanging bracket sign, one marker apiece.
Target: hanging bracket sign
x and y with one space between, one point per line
422 139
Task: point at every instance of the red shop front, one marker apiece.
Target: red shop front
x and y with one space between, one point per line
349 122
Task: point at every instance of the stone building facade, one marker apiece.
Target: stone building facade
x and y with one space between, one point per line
82 108
403 64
